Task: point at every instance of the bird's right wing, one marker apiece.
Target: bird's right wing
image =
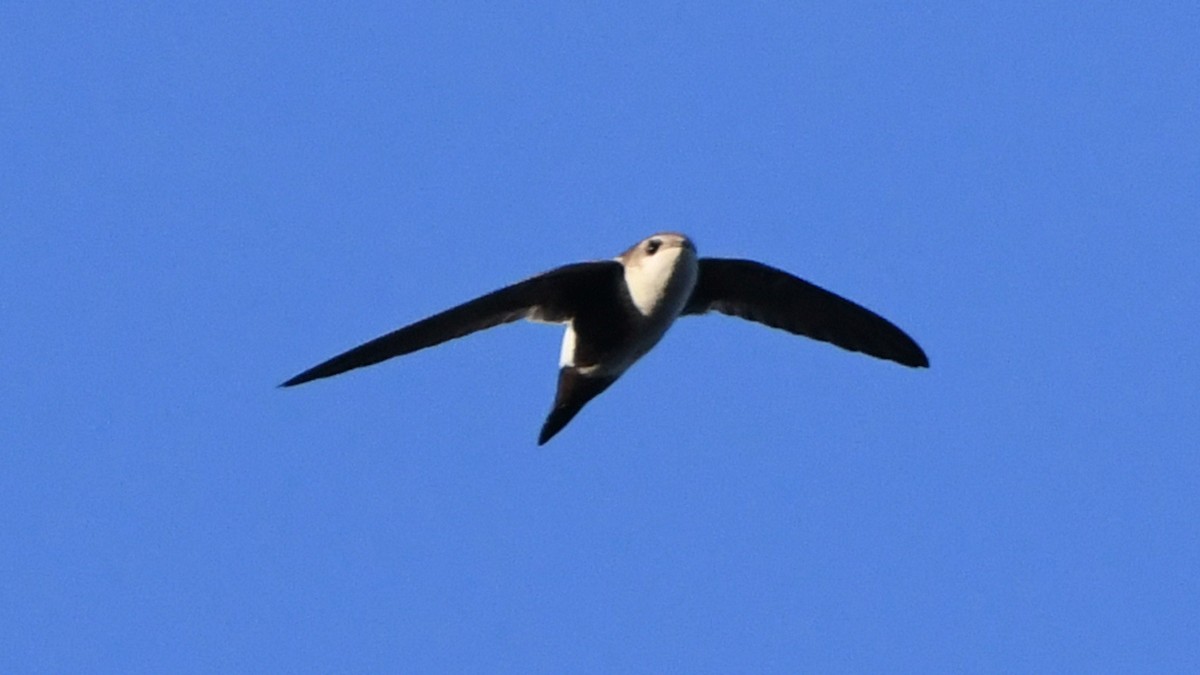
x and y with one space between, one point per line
758 292
554 296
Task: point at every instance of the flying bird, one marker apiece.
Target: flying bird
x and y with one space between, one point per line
616 310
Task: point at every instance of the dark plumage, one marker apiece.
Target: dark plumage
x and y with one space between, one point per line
617 310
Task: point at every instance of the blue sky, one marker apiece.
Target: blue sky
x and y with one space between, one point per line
199 200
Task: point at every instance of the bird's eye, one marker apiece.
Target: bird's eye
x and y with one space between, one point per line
652 246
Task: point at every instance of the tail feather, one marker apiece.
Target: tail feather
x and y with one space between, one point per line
574 391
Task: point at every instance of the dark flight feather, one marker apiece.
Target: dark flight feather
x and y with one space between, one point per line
758 292
556 295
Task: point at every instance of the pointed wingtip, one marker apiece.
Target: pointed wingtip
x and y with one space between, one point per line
292 382
904 351
309 375
922 359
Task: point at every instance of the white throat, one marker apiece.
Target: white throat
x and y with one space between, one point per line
660 273
660 286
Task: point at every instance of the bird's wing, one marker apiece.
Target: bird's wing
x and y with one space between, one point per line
758 292
554 296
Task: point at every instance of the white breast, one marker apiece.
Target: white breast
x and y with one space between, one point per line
566 357
659 287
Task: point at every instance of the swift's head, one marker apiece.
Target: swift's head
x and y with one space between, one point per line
663 265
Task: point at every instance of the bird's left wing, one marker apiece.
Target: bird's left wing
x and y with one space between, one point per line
758 292
554 296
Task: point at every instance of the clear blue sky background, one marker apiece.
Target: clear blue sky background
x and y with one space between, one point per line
199 200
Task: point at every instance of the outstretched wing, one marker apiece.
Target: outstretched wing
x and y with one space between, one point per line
758 292
554 296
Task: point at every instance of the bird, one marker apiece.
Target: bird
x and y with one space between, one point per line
615 311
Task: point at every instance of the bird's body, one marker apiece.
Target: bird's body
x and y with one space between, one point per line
615 311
